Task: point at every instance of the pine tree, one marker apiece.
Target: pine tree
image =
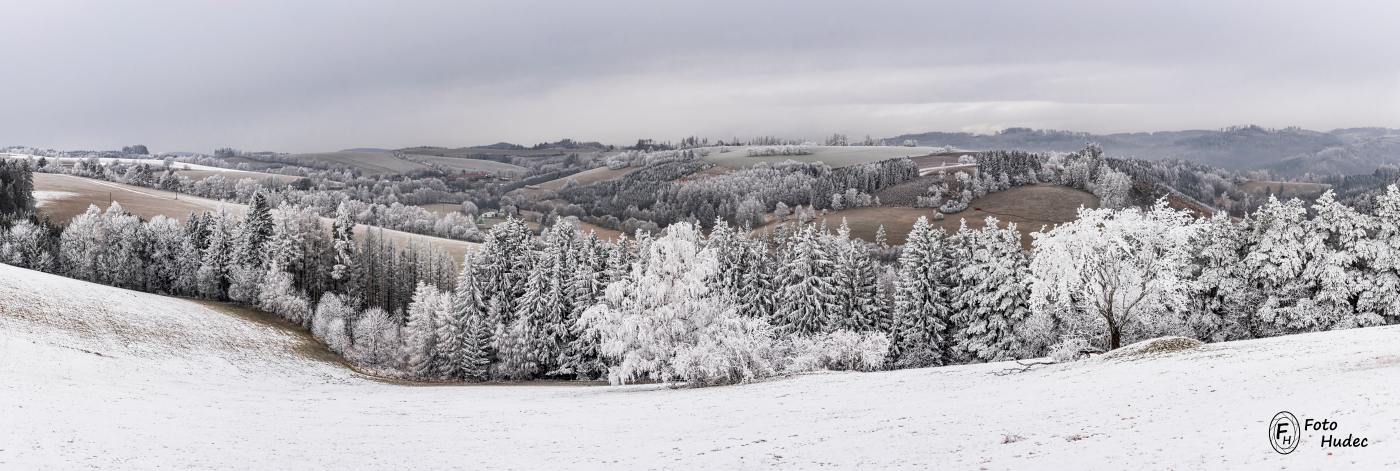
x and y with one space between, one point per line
580 357
1275 263
993 298
921 311
1223 299
758 293
472 358
858 303
1339 267
807 298
1380 290
346 272
214 269
420 333
254 233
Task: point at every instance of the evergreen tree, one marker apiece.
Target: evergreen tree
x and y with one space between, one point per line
858 303
1223 299
474 335
1275 263
807 298
420 333
254 233
217 257
993 298
921 311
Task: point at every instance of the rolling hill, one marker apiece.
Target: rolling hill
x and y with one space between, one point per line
102 377
1289 151
63 196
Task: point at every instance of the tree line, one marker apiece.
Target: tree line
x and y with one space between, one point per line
727 306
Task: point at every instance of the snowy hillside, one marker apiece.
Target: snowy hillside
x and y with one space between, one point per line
95 376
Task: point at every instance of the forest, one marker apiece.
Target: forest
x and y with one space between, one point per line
717 305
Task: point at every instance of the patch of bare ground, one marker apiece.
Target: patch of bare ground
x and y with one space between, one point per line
1029 207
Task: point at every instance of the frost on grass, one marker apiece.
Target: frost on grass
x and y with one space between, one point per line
1153 346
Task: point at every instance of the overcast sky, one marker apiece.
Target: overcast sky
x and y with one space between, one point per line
311 75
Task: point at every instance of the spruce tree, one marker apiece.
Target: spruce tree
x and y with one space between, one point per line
254 233
994 296
807 298
420 333
858 303
921 299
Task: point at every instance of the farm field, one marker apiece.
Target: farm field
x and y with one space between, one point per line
193 171
441 209
1030 207
369 162
1284 189
587 177
236 175
64 196
835 156
470 165
602 232
100 377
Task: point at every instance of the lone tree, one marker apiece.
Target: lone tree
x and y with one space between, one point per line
1114 271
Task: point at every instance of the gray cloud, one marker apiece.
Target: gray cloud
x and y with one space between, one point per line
316 75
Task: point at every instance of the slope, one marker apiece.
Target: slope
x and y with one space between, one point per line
63 196
102 377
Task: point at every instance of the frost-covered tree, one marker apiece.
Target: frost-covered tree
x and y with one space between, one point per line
331 321
468 353
376 339
1379 292
1112 274
1277 256
807 299
1113 188
254 233
1223 300
217 258
1339 266
665 323
346 271
420 334
858 305
279 297
28 245
922 298
993 297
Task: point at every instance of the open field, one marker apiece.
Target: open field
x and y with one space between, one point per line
1030 207
441 209
835 156
1284 189
99 377
236 175
602 232
368 162
470 165
586 177
193 171
75 194
65 196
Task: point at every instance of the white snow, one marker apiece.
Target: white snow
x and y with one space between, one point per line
92 376
154 162
42 198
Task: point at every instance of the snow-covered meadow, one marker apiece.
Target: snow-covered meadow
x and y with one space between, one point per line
101 377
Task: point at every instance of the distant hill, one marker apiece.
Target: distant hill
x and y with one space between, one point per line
1288 151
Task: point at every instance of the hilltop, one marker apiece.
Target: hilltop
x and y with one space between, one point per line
99 376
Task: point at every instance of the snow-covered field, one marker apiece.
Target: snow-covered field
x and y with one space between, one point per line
97 377
109 160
